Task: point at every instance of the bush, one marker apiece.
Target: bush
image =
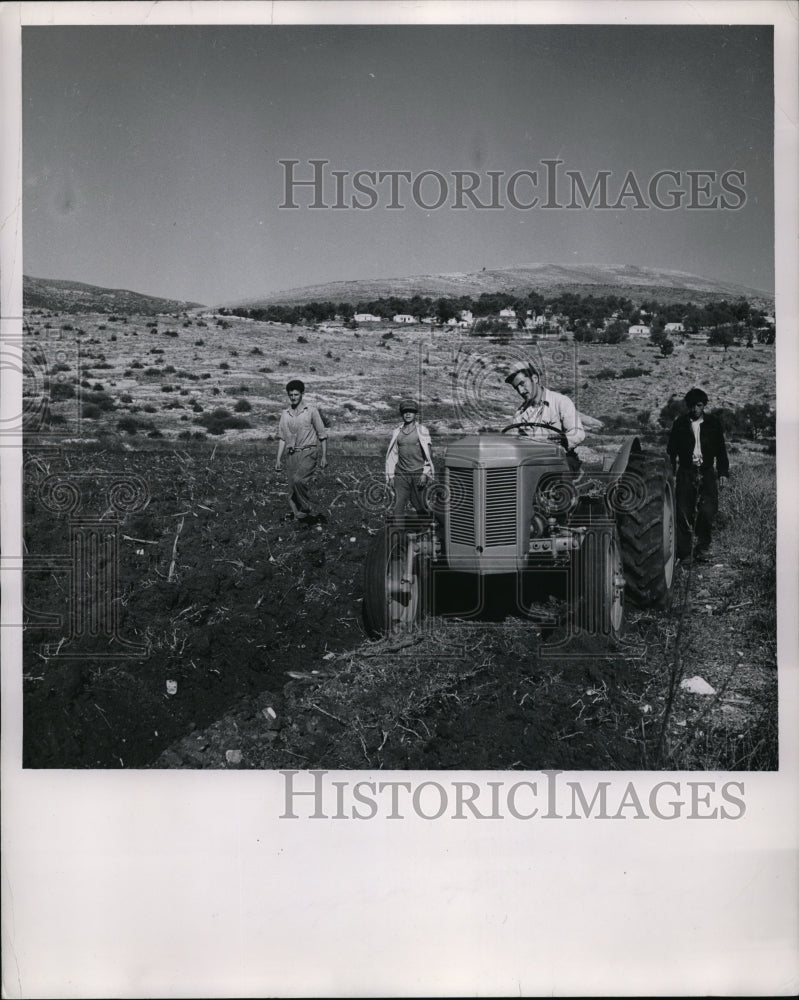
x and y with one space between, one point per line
242 406
59 391
137 364
666 347
634 372
128 425
90 411
606 373
669 413
302 340
221 420
224 366
99 399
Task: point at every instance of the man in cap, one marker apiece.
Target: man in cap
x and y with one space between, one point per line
409 461
544 414
696 441
302 435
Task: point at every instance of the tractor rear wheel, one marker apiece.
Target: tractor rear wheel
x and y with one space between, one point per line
646 530
397 580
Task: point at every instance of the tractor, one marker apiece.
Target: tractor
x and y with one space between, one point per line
514 507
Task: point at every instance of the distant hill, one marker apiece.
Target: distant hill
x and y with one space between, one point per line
633 282
76 297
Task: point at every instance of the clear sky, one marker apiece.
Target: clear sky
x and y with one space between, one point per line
151 154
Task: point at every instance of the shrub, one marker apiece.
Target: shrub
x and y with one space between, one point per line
256 350
170 370
200 342
154 433
242 406
167 388
606 373
221 420
224 366
149 408
126 397
128 425
60 391
137 364
302 340
100 399
667 347
90 411
634 372
669 413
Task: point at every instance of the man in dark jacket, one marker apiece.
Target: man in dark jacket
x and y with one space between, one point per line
697 442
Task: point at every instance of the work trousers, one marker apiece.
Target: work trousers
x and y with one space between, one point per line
300 467
407 486
697 495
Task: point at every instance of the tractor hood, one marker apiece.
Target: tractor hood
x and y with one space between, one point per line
488 450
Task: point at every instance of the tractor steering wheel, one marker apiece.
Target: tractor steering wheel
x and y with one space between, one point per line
534 423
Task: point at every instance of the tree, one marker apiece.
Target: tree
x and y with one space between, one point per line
722 336
666 347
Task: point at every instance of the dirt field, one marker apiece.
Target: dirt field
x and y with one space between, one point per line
255 652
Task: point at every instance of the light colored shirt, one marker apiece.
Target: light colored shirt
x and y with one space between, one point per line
392 455
696 427
301 428
552 408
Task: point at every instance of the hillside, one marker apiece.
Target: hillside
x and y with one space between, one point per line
75 296
630 281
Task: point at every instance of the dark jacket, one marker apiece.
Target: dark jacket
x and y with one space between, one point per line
711 439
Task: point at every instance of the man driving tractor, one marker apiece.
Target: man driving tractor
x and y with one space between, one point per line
544 414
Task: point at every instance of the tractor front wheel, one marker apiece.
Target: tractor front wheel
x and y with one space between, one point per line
397 580
600 583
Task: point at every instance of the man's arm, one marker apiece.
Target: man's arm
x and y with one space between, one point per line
321 433
281 447
722 461
570 422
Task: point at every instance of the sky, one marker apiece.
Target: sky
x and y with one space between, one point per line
151 155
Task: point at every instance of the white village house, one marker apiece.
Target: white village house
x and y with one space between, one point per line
404 318
639 330
366 318
674 328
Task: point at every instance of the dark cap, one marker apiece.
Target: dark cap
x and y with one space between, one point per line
408 404
523 368
695 396
295 383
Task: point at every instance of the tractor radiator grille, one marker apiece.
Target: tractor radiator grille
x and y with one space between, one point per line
500 522
461 506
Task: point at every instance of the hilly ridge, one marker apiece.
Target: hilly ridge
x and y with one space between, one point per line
627 280
630 281
76 296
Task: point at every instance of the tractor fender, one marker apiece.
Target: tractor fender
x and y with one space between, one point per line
631 445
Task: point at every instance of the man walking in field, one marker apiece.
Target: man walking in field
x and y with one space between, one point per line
697 442
302 436
544 414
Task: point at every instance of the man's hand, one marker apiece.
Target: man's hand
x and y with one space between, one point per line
722 481
322 463
279 466
390 482
424 479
